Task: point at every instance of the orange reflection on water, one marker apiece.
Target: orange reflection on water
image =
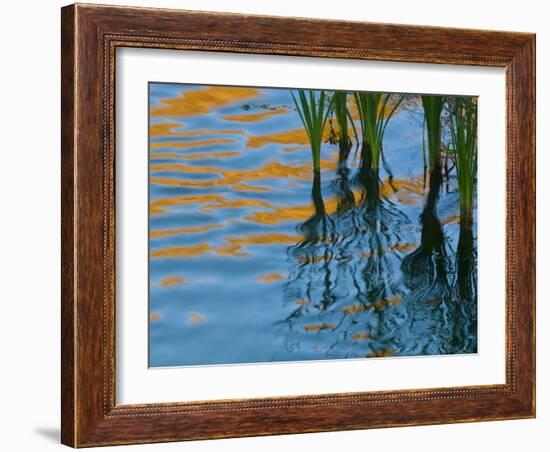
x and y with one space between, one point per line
404 247
188 144
453 219
319 327
255 117
235 244
377 305
271 277
163 129
156 233
203 100
382 353
295 137
297 213
403 189
354 308
293 213
361 336
182 251
407 191
400 188
196 156
298 136
157 206
245 187
398 247
302 302
237 178
167 129
314 259
154 316
171 281
234 204
195 318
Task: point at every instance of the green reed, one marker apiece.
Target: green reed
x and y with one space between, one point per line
343 118
374 120
433 107
463 128
313 113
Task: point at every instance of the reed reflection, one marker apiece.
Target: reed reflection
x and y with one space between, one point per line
423 302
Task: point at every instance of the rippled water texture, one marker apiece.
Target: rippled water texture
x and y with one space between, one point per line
253 259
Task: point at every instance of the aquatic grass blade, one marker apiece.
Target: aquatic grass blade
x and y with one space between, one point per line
313 114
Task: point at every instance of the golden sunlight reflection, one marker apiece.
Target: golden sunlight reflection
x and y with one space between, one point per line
271 170
197 156
168 130
319 327
159 205
170 281
188 144
271 277
195 318
181 251
156 233
255 117
235 245
203 101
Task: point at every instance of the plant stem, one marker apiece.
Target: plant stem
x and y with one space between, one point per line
374 119
313 114
433 106
463 125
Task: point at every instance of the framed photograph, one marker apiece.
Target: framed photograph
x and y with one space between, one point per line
281 225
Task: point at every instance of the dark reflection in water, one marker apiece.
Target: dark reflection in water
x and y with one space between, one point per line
254 257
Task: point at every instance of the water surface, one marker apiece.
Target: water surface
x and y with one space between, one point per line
254 259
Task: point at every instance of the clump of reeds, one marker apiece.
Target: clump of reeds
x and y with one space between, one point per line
463 128
374 117
344 119
433 107
313 112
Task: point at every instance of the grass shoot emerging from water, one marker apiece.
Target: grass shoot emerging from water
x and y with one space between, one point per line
463 127
375 112
313 111
433 106
343 118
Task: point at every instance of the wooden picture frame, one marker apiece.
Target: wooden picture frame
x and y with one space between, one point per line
90 36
